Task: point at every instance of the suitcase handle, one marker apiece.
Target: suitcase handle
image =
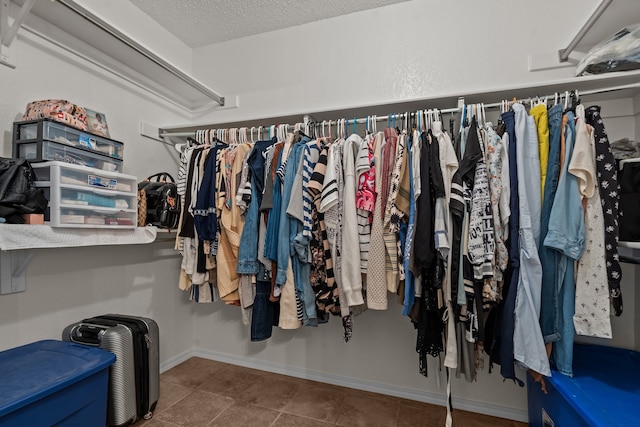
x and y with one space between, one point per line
99 321
87 334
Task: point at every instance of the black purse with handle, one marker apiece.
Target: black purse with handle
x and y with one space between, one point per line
18 194
163 201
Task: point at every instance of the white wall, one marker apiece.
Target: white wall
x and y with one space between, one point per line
67 285
409 50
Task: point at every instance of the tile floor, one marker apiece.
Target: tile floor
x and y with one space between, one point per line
202 392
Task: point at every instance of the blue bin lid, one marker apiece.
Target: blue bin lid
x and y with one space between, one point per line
37 370
605 388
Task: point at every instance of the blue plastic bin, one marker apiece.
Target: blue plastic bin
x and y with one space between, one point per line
605 391
54 383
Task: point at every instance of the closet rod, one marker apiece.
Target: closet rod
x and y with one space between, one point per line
442 111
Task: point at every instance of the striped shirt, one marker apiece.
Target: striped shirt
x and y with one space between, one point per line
311 155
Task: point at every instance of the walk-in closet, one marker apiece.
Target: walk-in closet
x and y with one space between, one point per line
311 124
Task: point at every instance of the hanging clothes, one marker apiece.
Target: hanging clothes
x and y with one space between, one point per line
529 349
592 291
376 270
610 194
480 246
566 235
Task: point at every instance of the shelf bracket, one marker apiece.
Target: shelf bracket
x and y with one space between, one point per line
563 54
8 32
13 267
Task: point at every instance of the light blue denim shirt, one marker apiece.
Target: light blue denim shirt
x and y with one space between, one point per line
566 222
528 345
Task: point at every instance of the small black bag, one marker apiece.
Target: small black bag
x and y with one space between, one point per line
18 194
163 202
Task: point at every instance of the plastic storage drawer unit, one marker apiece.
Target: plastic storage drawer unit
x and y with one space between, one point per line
42 140
605 391
85 198
54 383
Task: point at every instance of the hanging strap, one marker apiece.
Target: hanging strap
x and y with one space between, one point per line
449 421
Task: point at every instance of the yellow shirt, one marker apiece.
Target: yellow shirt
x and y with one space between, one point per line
540 116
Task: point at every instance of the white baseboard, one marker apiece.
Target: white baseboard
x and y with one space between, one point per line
176 360
356 383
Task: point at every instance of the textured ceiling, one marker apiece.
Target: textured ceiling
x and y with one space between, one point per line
202 22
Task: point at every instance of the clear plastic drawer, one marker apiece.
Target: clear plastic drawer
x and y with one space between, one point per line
41 130
49 150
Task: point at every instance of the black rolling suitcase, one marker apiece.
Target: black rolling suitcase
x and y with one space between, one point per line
134 379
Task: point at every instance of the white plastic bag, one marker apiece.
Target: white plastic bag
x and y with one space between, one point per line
620 52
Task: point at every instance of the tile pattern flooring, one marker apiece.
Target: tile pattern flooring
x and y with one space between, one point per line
202 392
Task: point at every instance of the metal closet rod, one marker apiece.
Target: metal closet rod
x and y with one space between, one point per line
442 111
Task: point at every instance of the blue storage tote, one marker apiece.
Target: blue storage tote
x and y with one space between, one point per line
54 383
605 391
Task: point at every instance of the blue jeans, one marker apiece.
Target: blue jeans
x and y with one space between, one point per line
549 257
265 312
566 236
301 271
562 354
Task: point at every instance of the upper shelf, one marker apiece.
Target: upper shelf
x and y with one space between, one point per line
74 28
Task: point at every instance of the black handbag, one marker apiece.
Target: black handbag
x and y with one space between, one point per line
163 201
18 194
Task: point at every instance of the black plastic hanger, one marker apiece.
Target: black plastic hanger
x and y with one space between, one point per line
575 101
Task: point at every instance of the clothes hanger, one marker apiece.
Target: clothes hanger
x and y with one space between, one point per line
452 123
